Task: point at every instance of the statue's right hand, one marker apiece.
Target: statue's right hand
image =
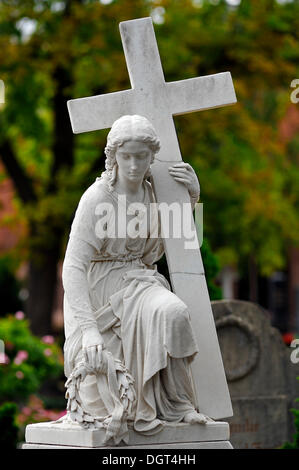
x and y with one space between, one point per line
93 355
93 345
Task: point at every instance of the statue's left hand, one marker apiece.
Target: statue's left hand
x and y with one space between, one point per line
184 173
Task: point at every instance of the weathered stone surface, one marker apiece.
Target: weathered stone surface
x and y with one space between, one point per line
260 374
53 433
259 422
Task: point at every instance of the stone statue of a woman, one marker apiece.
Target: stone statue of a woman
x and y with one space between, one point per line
115 300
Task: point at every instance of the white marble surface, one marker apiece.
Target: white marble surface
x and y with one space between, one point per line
188 445
157 100
62 434
115 298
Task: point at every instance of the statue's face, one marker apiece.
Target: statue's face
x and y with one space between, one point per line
133 159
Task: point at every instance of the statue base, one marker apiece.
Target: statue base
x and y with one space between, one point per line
60 435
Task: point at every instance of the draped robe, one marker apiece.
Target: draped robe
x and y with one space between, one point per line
111 284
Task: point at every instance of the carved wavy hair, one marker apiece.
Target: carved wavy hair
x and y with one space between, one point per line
123 130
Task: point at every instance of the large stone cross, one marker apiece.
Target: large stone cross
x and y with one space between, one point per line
159 101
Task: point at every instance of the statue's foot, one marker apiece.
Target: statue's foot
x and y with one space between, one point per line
193 417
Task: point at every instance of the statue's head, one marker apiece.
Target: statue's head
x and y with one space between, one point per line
127 129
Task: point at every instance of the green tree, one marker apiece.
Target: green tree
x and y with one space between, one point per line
51 51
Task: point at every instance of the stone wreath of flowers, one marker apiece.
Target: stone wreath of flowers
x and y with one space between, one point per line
120 393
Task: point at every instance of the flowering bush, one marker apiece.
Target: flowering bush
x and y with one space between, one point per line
34 412
27 361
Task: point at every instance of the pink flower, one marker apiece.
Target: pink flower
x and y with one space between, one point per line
26 411
19 374
19 315
4 359
48 339
47 352
21 419
20 357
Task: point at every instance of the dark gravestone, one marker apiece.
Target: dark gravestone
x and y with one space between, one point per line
260 374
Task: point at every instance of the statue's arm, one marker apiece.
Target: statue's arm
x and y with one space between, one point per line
74 277
81 249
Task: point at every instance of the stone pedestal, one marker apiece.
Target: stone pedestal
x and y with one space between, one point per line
53 435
